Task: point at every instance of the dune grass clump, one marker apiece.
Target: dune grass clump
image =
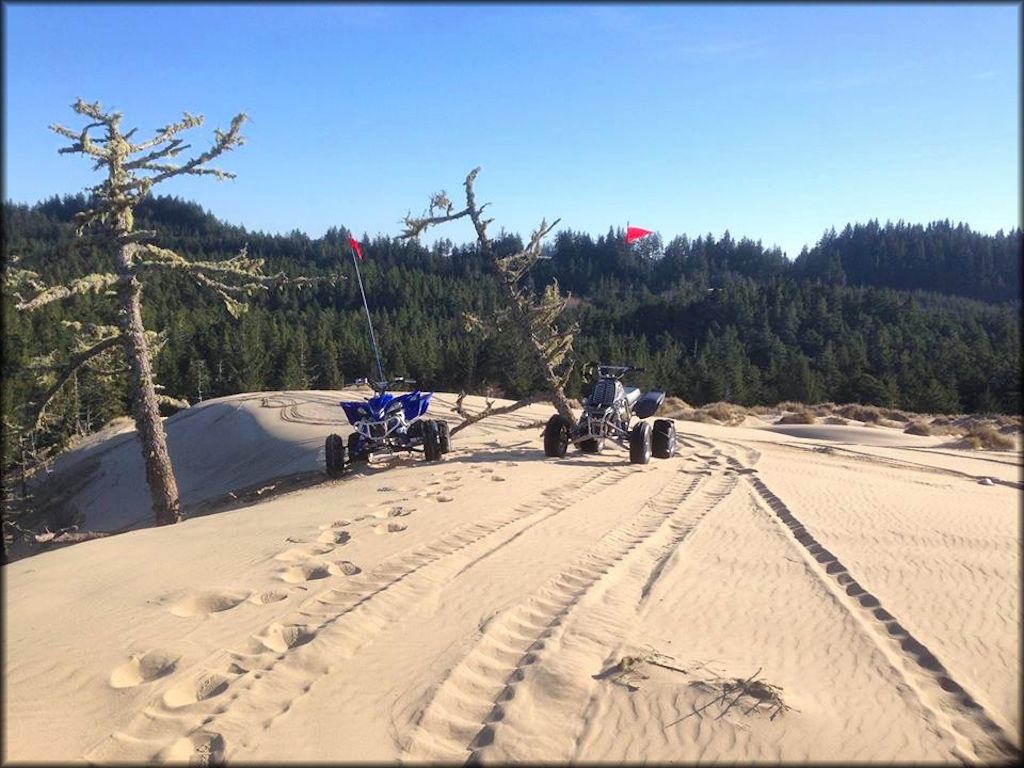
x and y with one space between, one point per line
789 405
719 411
922 428
869 414
805 416
985 436
823 409
836 420
674 407
726 412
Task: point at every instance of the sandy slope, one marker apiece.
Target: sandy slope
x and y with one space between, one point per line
863 582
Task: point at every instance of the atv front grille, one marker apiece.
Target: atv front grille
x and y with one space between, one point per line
606 391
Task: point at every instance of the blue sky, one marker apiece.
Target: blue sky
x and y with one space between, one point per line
772 121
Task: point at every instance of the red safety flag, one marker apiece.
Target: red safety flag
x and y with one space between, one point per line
635 233
355 247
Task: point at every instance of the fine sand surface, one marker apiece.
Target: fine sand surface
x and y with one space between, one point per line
775 593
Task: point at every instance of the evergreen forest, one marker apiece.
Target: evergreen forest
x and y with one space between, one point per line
922 318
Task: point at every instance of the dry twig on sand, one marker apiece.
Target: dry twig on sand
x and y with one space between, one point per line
489 409
627 670
733 691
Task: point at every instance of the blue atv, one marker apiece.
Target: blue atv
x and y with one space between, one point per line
386 424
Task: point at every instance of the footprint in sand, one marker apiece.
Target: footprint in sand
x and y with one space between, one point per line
335 524
142 668
198 748
498 478
443 498
298 554
334 537
281 637
389 528
305 572
393 512
344 568
270 596
210 601
202 686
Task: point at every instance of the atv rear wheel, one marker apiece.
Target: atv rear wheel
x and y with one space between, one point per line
334 454
640 443
556 436
663 441
431 441
444 435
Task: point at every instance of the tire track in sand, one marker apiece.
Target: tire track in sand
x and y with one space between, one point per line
976 736
461 720
220 700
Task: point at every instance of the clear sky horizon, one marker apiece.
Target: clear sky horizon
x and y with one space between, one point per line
775 122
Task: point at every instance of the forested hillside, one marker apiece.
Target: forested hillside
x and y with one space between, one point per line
921 318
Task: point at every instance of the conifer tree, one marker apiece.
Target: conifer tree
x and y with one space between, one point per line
131 171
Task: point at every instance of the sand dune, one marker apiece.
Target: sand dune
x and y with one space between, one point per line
779 593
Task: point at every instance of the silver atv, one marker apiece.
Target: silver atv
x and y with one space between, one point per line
608 416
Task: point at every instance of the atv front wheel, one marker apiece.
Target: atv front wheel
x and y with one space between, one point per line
334 453
444 435
556 436
640 443
592 446
663 441
431 441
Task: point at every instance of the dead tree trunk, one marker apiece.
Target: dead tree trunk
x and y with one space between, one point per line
163 488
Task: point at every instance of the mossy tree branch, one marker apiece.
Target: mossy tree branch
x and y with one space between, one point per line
533 320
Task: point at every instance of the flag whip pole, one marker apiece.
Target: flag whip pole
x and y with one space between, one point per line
381 381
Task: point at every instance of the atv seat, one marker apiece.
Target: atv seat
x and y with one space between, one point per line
648 404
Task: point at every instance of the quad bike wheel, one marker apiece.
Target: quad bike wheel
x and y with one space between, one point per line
556 436
444 435
431 441
640 443
663 440
592 446
334 453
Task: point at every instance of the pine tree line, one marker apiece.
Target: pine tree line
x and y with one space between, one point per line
711 319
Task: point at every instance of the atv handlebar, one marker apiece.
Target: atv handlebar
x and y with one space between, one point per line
615 371
384 386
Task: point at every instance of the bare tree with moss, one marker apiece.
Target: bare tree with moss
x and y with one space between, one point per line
531 318
131 171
